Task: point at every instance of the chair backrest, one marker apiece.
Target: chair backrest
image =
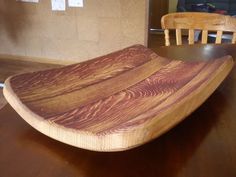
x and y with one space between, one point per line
204 22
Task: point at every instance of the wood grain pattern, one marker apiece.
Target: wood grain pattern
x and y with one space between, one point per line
115 102
199 21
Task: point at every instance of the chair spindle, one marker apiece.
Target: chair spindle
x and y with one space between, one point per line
167 37
219 37
234 38
204 36
191 36
178 37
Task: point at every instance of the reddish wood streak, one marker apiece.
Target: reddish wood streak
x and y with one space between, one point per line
88 73
116 110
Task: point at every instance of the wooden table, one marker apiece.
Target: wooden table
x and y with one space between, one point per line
204 144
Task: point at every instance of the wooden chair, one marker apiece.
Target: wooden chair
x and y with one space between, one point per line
204 22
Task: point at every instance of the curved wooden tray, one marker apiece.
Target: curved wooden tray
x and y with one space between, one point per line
115 102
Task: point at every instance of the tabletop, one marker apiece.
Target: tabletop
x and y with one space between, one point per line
202 145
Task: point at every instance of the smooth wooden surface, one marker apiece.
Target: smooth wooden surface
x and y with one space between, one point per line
198 21
202 145
198 52
115 102
3 102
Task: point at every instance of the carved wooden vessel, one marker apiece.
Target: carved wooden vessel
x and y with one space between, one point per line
114 102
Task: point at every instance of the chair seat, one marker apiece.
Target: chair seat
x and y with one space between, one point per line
115 102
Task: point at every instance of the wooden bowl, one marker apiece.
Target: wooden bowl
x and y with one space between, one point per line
115 102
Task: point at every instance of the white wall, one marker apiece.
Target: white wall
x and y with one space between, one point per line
78 34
